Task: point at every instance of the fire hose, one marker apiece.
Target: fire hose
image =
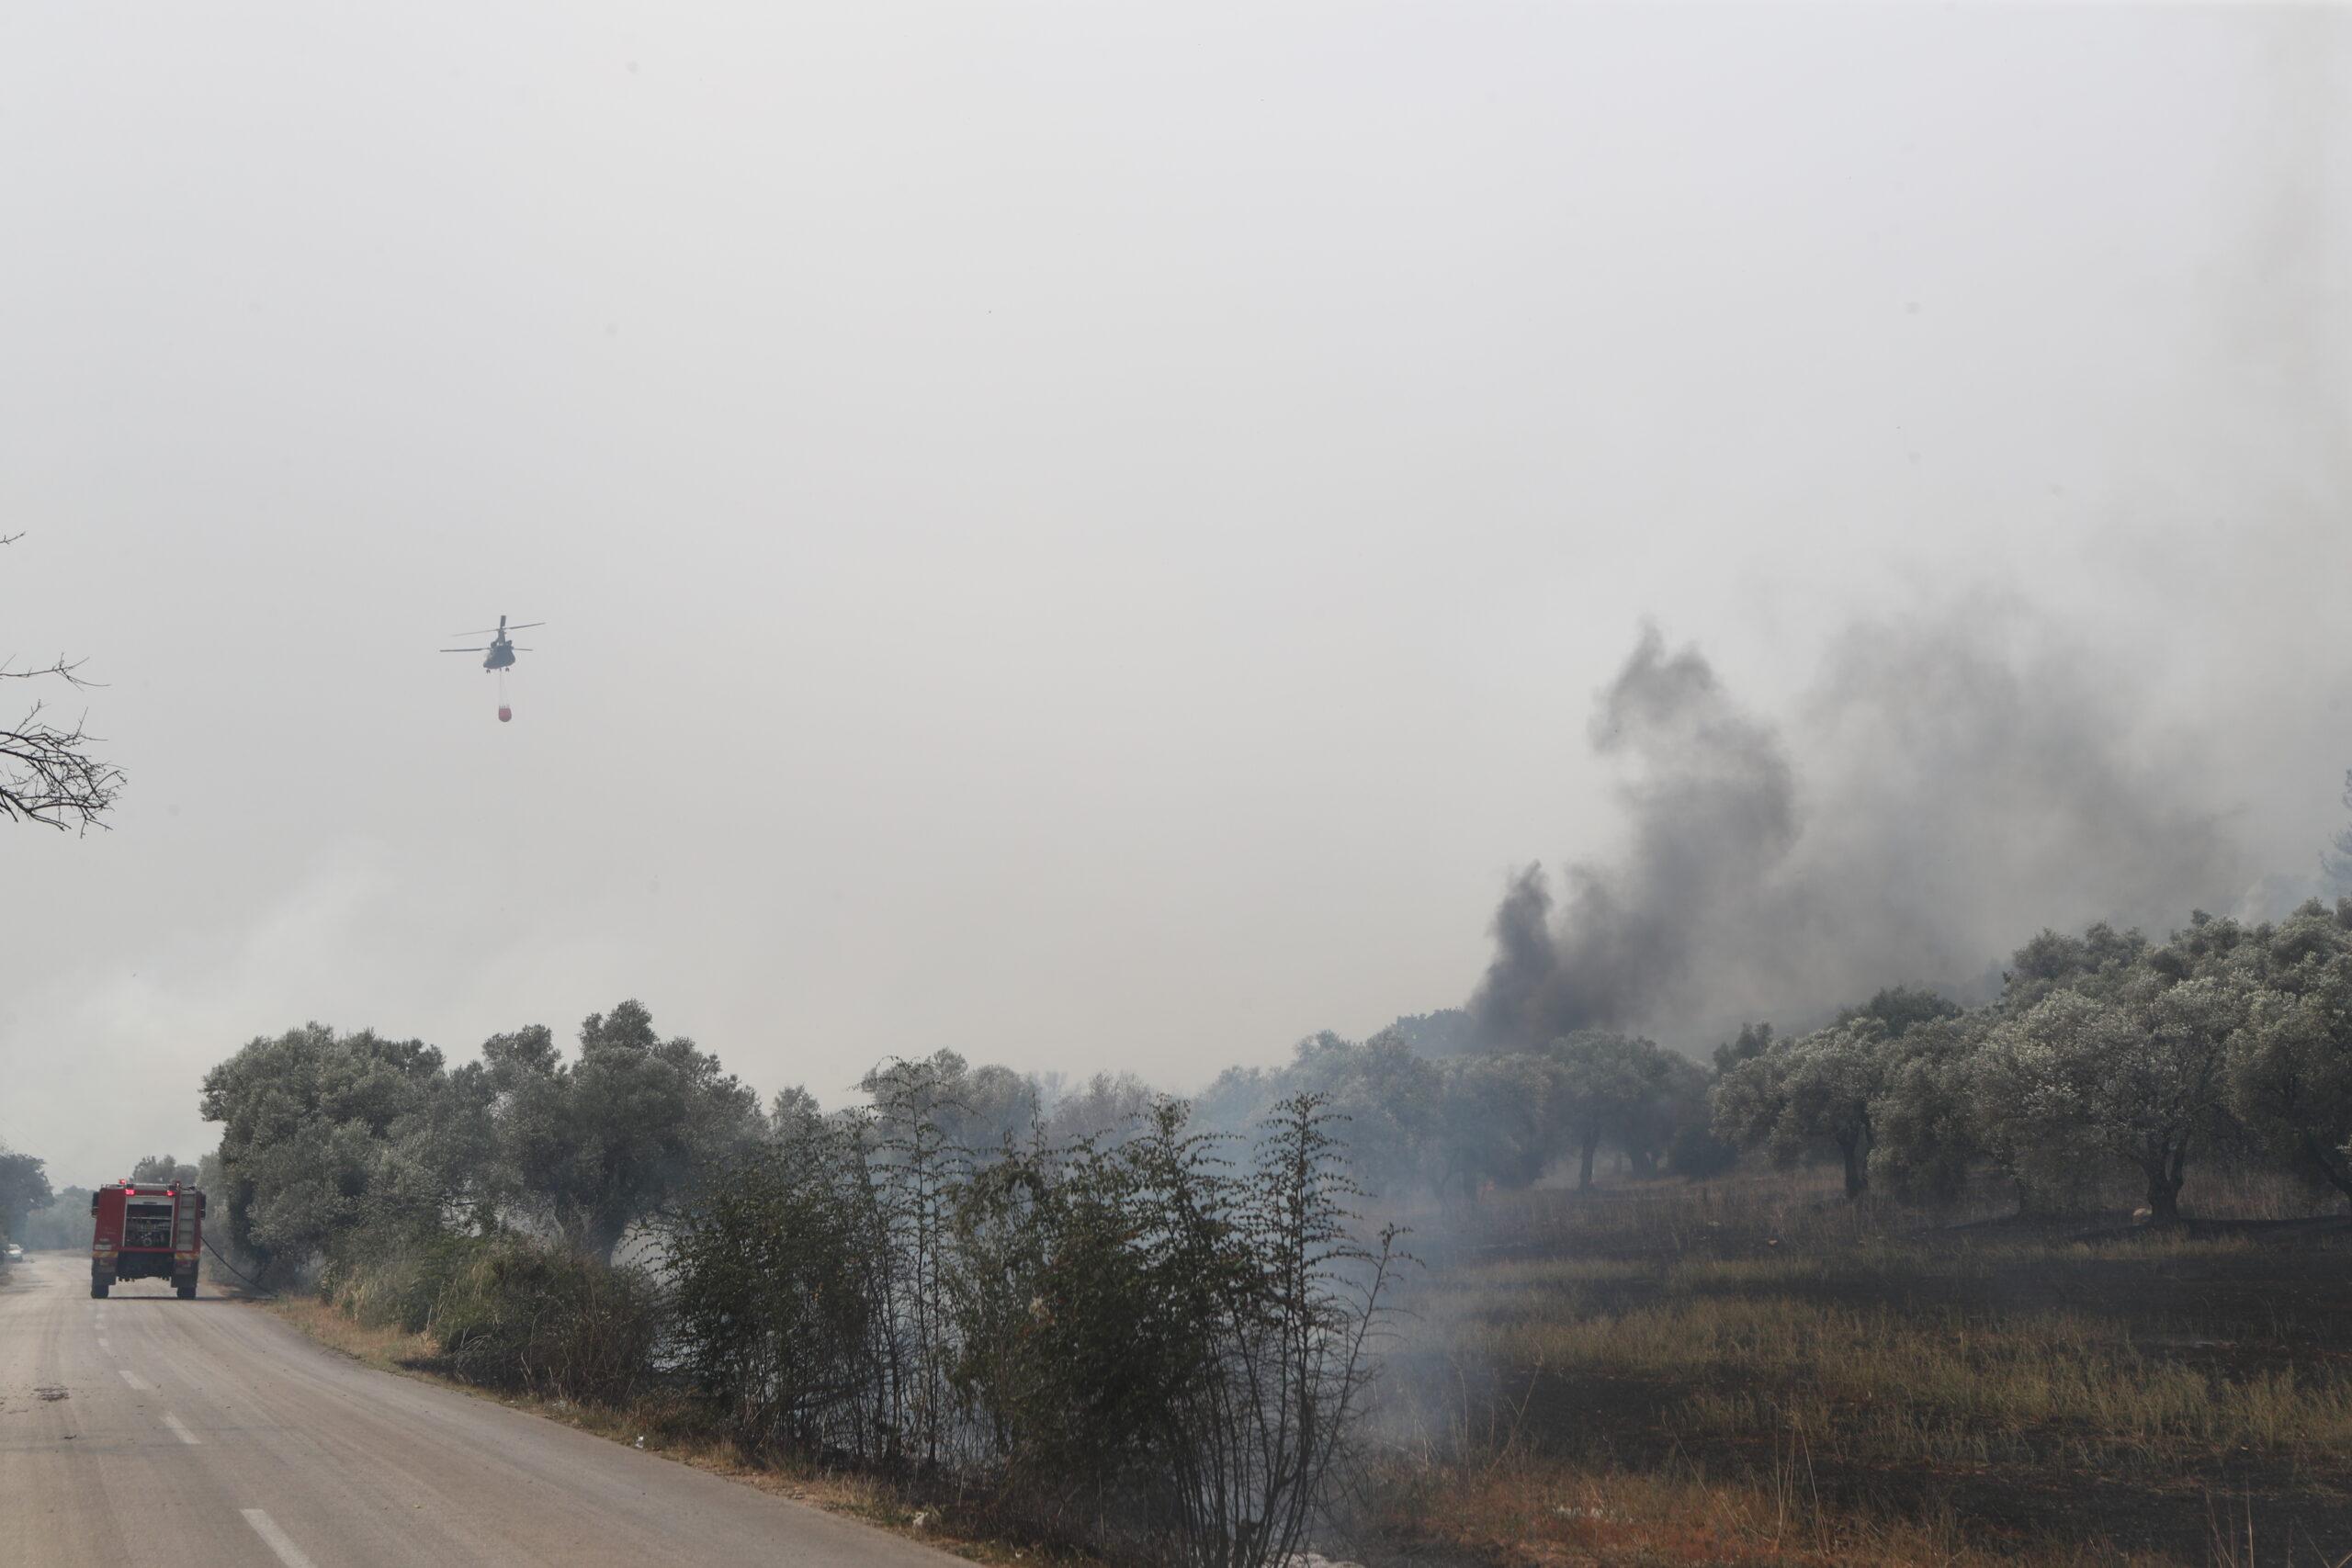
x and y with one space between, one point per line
233 1269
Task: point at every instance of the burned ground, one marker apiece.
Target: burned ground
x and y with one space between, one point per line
2065 1390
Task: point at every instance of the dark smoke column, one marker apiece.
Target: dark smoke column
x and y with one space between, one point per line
1712 798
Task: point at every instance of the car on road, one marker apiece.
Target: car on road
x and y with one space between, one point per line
15 1254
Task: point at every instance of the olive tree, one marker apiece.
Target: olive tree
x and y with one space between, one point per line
596 1144
2052 960
1604 1085
1903 1008
62 1223
164 1168
2335 861
1799 1094
1924 1119
24 1187
1921 1136
1384 1093
2137 1078
2290 1068
306 1119
1494 1123
1388 1092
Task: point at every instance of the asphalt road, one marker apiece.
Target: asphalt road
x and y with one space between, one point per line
143 1429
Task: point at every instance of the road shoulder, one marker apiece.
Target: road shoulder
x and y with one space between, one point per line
668 1428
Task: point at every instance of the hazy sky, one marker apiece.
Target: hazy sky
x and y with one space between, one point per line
1084 533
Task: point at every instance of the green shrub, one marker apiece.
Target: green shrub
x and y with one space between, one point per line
395 1278
521 1315
779 1302
1140 1346
1164 1346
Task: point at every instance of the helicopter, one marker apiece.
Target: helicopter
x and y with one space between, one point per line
501 652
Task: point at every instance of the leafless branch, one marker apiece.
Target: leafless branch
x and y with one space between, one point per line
61 667
47 773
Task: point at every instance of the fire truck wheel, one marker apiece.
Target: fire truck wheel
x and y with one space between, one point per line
187 1289
98 1288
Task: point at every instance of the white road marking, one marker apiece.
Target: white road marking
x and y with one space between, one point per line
135 1381
103 1345
185 1436
277 1539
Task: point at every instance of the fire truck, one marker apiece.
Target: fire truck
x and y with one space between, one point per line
146 1230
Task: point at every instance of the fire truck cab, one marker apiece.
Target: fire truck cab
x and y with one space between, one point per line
151 1231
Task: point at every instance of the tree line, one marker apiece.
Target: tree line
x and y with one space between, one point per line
2105 1056
2105 1053
1455 1125
324 1133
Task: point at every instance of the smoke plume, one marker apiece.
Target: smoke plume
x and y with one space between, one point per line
1950 786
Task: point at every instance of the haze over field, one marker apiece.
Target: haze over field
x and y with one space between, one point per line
1099 539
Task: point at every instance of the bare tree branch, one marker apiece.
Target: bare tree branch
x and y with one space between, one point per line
60 666
47 773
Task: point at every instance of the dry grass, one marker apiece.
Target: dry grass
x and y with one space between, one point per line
386 1349
1673 1355
1931 1383
1528 1514
1805 1211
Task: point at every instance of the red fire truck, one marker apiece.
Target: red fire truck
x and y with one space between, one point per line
146 1230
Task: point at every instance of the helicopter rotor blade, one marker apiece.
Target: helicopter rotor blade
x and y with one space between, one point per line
465 651
525 625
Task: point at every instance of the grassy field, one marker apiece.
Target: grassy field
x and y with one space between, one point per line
1755 1371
